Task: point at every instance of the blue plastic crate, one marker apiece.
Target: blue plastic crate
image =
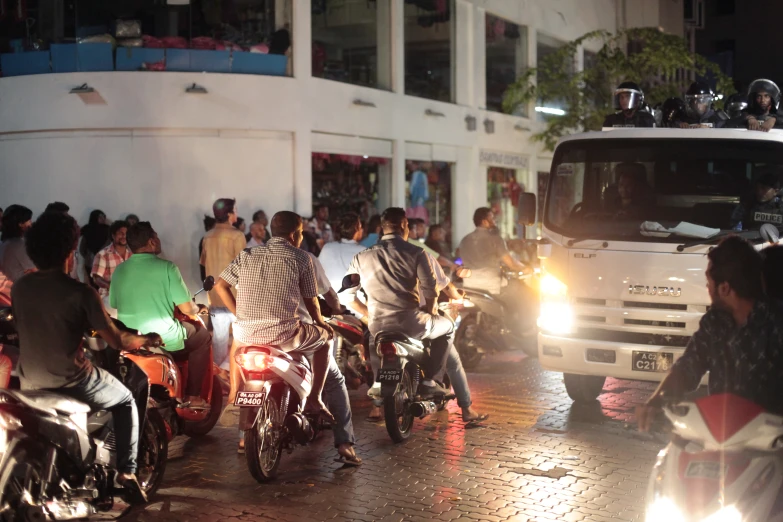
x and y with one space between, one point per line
210 61
132 58
64 58
23 64
95 57
257 63
178 60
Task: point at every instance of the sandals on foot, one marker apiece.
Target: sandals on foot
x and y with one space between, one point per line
349 460
478 418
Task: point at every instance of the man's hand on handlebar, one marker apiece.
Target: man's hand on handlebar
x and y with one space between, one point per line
153 340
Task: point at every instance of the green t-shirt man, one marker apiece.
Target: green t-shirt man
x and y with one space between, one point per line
145 289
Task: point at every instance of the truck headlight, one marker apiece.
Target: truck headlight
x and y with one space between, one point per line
664 510
556 315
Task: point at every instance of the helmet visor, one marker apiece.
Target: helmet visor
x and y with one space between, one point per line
625 99
699 104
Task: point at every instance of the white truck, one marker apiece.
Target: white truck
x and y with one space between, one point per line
622 279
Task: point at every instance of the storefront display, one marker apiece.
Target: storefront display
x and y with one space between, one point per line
503 191
428 192
349 183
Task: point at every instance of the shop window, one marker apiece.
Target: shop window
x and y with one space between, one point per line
506 49
503 191
546 46
248 31
347 183
428 194
352 42
429 49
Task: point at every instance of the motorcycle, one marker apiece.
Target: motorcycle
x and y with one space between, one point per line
9 348
350 350
723 464
168 374
271 397
487 326
58 459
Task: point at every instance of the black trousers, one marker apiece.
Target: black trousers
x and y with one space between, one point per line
197 345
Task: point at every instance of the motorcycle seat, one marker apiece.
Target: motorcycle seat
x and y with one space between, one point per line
397 337
48 401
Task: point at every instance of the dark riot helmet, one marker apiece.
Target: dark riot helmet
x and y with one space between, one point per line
673 109
635 99
763 85
734 104
698 99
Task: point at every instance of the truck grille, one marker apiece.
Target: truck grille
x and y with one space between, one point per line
656 306
645 322
615 336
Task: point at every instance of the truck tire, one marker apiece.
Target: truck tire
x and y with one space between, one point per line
583 388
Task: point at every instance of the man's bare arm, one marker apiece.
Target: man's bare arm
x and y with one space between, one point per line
223 289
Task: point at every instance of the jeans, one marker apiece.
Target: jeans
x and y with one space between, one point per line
441 333
459 381
335 395
197 353
222 319
102 391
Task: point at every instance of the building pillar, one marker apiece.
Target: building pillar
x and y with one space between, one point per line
301 40
303 173
398 173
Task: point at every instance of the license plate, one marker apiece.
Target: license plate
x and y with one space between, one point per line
653 362
249 398
389 375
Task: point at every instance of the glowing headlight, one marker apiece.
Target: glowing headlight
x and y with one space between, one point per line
557 316
664 510
726 514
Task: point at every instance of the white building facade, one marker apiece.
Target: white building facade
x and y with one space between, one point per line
378 97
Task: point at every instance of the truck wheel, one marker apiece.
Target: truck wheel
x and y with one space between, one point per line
583 388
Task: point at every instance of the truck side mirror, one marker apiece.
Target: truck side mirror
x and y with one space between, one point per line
527 209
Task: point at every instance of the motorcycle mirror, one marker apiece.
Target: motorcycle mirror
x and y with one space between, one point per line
209 283
769 233
349 281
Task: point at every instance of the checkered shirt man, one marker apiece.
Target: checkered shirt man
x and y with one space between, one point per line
106 261
270 280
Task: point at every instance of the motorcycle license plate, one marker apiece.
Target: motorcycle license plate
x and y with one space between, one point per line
652 362
249 398
390 375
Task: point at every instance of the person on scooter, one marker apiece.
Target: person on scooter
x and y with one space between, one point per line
739 340
390 274
144 291
52 313
270 281
484 252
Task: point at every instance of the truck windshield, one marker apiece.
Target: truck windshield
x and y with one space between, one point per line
606 188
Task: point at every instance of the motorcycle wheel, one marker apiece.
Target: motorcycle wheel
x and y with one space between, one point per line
396 413
153 453
263 441
467 348
201 428
21 476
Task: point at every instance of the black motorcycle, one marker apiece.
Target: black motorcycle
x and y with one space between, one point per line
58 459
350 350
487 326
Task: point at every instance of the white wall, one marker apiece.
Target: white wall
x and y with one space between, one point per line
169 179
157 151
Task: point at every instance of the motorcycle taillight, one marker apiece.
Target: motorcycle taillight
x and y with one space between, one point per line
387 349
254 361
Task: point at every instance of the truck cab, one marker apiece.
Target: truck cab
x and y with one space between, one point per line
628 219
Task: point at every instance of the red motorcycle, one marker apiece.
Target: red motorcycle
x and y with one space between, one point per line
168 373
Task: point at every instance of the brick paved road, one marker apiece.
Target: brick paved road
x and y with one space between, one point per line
537 458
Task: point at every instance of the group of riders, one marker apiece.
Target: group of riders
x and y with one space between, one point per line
756 111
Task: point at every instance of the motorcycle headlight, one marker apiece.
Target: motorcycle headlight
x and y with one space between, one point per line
556 314
664 510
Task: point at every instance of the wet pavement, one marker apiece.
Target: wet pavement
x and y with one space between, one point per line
539 457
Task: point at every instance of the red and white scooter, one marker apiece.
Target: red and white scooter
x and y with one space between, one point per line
724 464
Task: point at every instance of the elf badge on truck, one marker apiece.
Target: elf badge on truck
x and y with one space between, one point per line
628 219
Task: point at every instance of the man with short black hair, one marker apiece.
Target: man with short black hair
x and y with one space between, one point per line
108 259
392 273
319 225
52 312
336 257
145 289
219 248
57 206
271 280
739 340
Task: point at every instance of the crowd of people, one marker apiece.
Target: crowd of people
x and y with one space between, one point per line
758 110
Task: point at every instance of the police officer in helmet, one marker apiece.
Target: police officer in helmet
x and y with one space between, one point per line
628 101
761 112
699 111
761 206
734 104
672 112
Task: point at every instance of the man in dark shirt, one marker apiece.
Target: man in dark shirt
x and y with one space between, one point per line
53 311
628 102
739 341
761 206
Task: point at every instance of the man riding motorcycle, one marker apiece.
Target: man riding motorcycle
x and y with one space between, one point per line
52 313
144 291
739 341
390 274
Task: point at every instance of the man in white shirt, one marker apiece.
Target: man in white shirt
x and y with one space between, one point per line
336 257
257 233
